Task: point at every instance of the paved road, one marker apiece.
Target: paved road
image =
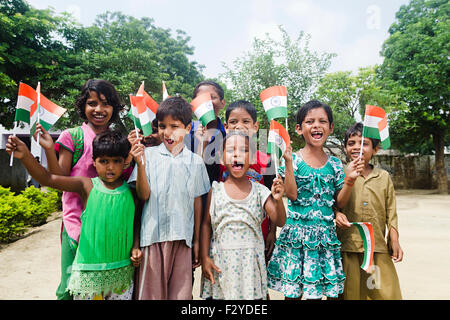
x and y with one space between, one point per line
29 268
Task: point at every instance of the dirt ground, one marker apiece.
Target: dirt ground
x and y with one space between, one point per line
29 267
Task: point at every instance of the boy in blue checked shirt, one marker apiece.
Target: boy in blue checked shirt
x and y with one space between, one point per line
171 185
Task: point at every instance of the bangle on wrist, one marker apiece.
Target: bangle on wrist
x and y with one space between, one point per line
349 182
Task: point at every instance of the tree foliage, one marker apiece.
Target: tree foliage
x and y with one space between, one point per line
272 62
417 68
118 48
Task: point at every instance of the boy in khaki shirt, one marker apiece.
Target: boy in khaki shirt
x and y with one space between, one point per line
372 200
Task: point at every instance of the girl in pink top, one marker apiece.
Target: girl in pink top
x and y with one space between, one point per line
99 105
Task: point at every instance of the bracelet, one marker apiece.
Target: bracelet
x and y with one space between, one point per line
348 182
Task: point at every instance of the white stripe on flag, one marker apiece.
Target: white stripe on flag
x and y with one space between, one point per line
24 103
47 116
146 117
384 134
277 140
204 108
371 121
275 102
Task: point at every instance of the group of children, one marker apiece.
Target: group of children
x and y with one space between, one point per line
153 203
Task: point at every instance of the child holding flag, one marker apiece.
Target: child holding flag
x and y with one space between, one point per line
372 200
99 105
234 265
104 260
172 189
241 115
306 259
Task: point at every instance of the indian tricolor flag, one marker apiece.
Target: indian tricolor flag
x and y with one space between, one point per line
143 110
203 108
141 115
165 93
274 100
27 98
376 126
278 139
44 111
366 232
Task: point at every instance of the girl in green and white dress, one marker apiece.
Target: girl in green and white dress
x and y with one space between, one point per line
306 259
104 263
232 245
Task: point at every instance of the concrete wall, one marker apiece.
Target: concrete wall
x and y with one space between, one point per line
411 172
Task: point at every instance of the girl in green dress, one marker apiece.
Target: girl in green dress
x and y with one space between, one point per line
306 259
104 263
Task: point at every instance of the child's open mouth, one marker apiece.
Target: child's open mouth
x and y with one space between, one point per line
169 141
317 135
237 166
110 175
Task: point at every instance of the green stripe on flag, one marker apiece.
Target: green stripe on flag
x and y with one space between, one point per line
272 148
136 121
279 112
386 143
22 115
370 132
208 117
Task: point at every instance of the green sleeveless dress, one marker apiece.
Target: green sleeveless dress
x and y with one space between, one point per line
102 263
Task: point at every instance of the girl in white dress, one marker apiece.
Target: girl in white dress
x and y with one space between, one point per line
232 245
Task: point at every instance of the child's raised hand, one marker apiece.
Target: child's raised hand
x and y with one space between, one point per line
137 151
17 146
342 221
133 139
277 188
287 155
207 265
45 139
355 168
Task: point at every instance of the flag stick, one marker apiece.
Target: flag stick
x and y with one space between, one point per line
38 89
286 125
11 159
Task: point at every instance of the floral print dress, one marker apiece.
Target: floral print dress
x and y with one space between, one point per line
306 259
237 245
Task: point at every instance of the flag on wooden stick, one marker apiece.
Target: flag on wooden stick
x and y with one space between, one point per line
203 108
27 97
274 100
376 126
143 110
44 111
278 139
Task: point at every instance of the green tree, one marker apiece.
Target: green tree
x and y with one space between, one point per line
37 45
272 62
29 50
417 68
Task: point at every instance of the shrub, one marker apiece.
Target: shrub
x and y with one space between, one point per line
28 209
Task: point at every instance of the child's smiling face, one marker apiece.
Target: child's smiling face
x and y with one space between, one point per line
171 132
236 155
240 119
98 111
316 127
353 148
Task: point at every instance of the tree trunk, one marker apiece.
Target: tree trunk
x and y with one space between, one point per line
441 170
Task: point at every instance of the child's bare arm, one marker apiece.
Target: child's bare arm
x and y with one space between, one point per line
142 186
397 252
354 169
136 254
205 239
80 185
198 209
289 180
274 205
46 142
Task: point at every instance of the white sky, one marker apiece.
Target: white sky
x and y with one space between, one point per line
221 31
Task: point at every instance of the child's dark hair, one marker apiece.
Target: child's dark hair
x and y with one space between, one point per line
357 129
110 144
242 104
177 108
313 104
217 86
100 87
251 142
